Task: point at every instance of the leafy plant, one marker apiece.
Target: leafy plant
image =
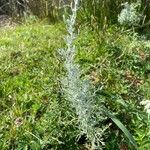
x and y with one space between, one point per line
76 90
129 16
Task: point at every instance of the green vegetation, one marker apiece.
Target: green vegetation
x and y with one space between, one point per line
78 84
100 13
33 112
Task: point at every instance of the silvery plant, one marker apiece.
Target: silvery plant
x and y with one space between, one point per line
77 90
146 104
129 15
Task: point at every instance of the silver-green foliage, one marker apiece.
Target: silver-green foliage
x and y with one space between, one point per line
129 15
78 91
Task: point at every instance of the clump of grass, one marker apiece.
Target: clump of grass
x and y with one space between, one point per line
28 87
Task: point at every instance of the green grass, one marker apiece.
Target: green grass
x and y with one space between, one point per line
33 113
29 86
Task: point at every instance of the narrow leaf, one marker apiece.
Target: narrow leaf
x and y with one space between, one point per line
123 128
